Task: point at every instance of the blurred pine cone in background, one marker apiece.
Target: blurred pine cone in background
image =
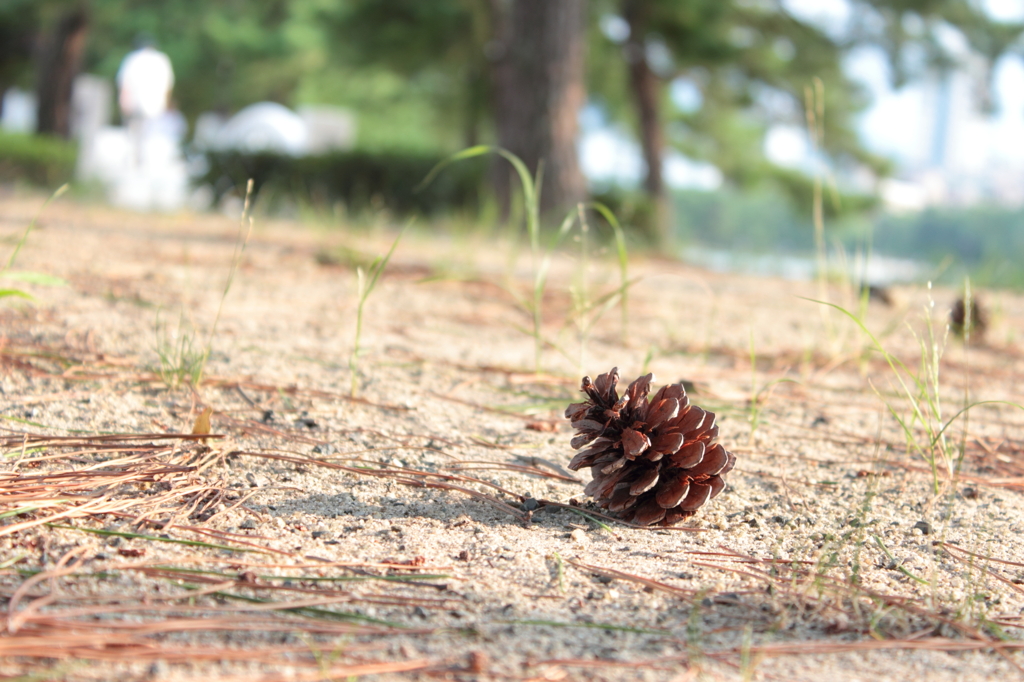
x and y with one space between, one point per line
978 321
653 461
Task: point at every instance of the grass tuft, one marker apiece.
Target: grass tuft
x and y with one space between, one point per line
30 277
921 395
541 257
366 282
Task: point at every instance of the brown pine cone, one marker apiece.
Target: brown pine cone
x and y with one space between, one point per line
958 318
652 461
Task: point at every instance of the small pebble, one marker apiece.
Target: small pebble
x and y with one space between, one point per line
578 536
478 662
529 504
924 527
157 670
248 524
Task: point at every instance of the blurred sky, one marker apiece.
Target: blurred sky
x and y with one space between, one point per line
898 124
892 125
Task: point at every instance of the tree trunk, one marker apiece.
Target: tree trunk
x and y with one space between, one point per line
58 61
537 59
646 89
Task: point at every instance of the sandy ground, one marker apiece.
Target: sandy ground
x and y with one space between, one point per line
829 556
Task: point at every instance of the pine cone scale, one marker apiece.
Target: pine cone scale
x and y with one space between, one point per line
621 500
634 443
652 460
717 486
599 446
588 425
647 480
579 441
615 466
699 494
667 443
714 461
662 412
690 455
649 513
672 492
691 420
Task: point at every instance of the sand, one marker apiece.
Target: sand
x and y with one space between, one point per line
825 558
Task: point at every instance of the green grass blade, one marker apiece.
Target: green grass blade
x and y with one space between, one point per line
530 196
603 526
468 153
323 579
155 538
899 568
39 278
19 510
623 257
312 611
966 409
895 364
381 262
541 278
366 285
32 225
596 626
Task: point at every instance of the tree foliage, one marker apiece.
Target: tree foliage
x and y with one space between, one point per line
420 74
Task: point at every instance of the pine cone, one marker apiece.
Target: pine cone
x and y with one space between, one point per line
958 318
652 461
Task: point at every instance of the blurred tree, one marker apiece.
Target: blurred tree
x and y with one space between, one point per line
750 63
520 64
915 35
58 56
438 48
42 45
19 20
746 65
446 73
225 54
537 74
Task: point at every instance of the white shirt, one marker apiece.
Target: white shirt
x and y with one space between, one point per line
145 80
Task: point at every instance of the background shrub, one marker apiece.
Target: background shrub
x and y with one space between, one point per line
358 179
37 159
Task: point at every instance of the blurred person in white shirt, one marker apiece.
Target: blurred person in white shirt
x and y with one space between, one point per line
144 82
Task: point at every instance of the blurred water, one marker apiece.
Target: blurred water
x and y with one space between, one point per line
878 270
